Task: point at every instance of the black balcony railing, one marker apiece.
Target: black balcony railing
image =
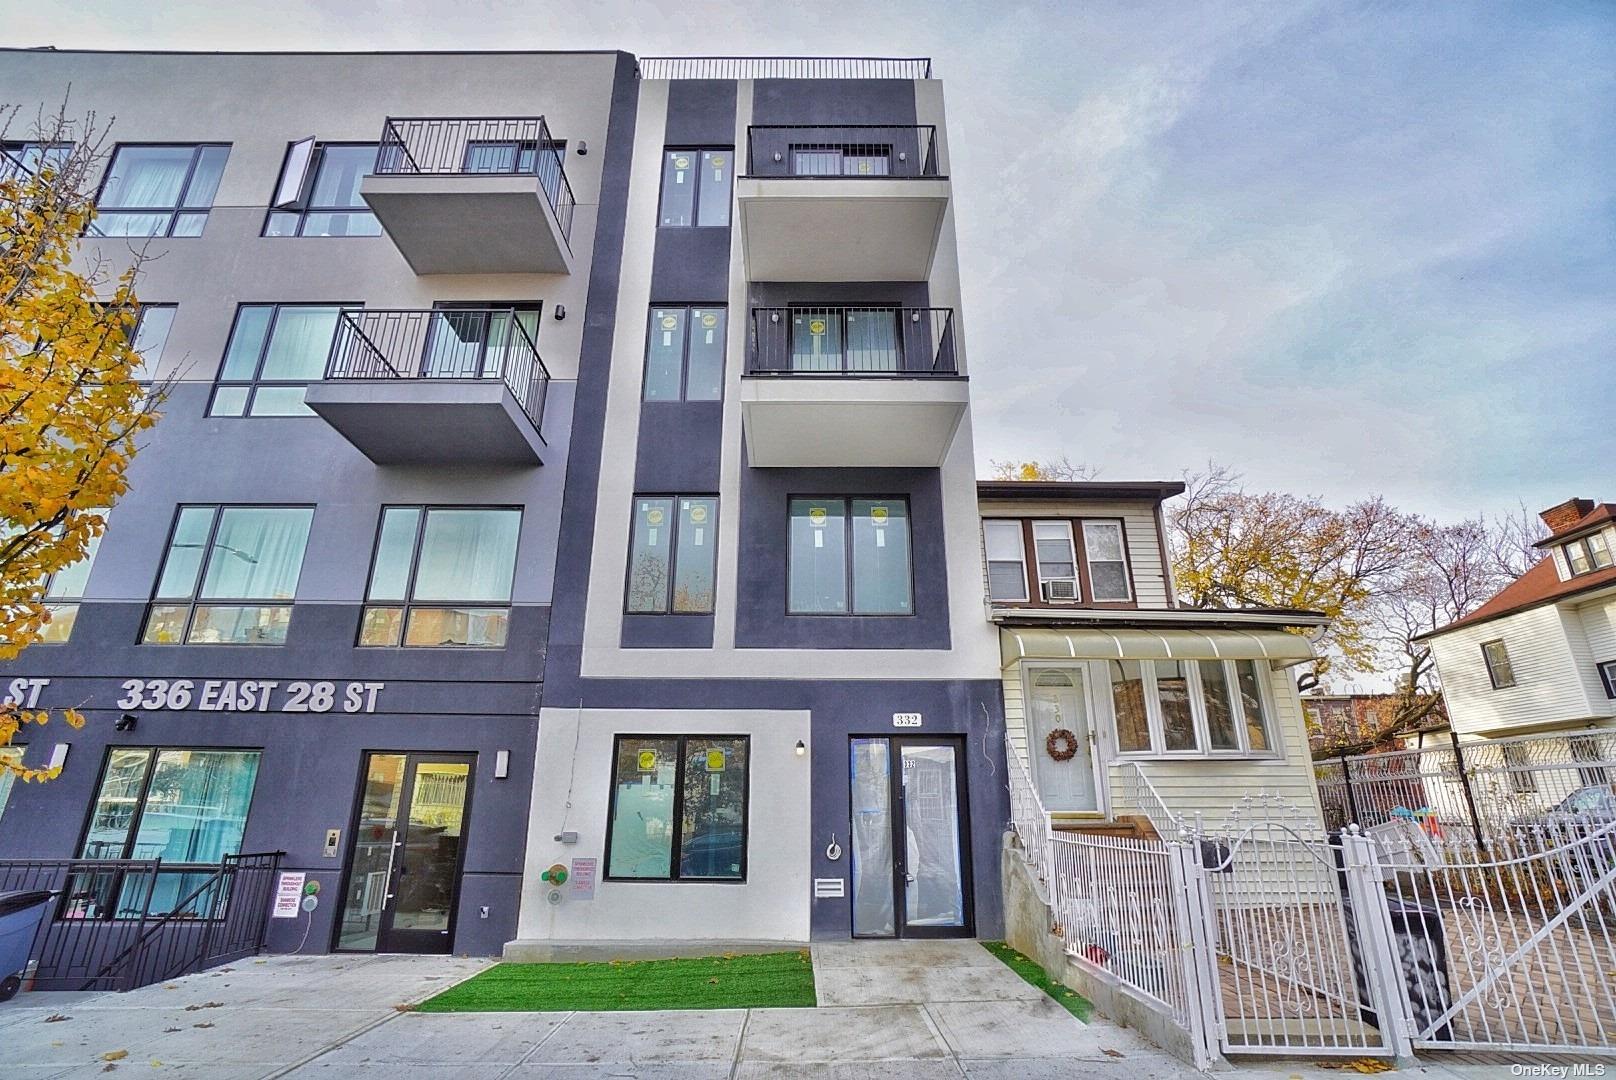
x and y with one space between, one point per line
479 146
494 344
843 151
873 341
785 67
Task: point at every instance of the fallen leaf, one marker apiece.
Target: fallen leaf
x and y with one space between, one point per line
109 1068
204 1024
56 1018
205 1005
156 1064
403 1006
712 982
1112 1053
114 1055
171 986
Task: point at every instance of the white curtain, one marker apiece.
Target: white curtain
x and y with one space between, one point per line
468 556
147 176
257 554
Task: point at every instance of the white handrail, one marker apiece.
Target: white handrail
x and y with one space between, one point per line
1032 823
1141 795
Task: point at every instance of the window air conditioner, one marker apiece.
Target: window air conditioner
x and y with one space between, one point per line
1060 589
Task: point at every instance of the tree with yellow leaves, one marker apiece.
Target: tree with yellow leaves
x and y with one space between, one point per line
71 400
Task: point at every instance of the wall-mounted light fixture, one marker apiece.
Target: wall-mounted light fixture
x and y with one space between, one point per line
583 148
560 312
126 722
802 748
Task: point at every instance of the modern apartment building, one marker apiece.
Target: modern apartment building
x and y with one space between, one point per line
562 530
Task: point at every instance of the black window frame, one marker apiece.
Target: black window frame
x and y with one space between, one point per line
684 351
848 563
409 603
257 381
673 555
12 152
221 903
695 191
304 206
1607 675
1492 673
174 211
677 817
195 600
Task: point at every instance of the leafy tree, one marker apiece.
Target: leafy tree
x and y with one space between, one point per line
71 404
1061 468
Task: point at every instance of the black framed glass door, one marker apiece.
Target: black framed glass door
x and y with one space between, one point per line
406 849
911 866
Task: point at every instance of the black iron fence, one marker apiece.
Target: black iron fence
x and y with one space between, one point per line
118 924
444 343
866 341
843 151
1486 788
785 67
479 146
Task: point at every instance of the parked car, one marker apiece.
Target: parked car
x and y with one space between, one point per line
1580 831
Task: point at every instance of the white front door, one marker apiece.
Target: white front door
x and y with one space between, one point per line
1059 703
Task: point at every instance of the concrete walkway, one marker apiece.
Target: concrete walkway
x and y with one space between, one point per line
941 1009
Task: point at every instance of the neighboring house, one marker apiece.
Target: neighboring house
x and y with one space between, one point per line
1115 696
1541 655
1347 720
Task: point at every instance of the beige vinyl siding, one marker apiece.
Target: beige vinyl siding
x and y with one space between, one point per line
1138 526
1599 627
1544 649
1210 787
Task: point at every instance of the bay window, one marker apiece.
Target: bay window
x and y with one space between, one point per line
678 808
441 577
1185 708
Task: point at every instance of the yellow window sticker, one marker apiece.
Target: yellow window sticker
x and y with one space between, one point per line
878 515
816 516
647 760
715 761
816 326
698 514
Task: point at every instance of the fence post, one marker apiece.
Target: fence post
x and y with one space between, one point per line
1192 911
1352 799
1464 783
1382 970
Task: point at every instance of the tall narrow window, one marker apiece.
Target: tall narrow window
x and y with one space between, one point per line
322 189
1251 704
684 354
673 555
1057 560
849 556
1221 730
1128 705
159 190
1173 696
1107 561
1499 670
442 578
1007 565
63 590
696 187
229 576
678 808
150 338
275 351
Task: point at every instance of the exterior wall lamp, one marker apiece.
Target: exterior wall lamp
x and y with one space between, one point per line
802 748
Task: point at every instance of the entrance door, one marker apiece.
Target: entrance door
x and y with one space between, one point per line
405 853
911 863
1060 704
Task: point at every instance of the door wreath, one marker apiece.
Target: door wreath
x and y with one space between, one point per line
1061 745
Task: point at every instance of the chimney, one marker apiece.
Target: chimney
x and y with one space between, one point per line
1562 517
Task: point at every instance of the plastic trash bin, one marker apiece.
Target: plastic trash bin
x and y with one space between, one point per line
20 913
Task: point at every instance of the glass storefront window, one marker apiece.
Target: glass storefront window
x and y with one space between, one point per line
678 808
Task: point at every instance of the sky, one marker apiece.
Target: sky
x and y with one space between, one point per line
1343 248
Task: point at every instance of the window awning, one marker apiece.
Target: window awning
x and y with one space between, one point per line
1043 643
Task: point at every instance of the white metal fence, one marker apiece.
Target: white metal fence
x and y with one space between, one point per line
1269 937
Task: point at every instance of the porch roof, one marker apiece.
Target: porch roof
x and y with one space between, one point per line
1047 643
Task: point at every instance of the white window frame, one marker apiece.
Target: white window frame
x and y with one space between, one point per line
1088 560
1197 696
1065 525
1013 524
1586 547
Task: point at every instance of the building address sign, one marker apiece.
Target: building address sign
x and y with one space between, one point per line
223 695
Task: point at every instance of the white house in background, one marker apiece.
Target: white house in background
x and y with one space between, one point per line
1541 655
1127 710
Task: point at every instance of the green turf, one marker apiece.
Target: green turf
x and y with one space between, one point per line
767 981
1028 969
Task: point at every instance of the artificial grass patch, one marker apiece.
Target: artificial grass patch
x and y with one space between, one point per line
766 981
1028 969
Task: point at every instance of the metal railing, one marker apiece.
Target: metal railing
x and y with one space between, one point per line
1485 787
1029 820
100 932
441 343
843 151
785 67
865 341
479 146
1131 789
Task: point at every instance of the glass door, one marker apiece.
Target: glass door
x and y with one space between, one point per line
1060 741
405 854
911 864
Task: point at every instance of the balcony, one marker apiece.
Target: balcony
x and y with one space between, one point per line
844 387
449 386
473 196
861 202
